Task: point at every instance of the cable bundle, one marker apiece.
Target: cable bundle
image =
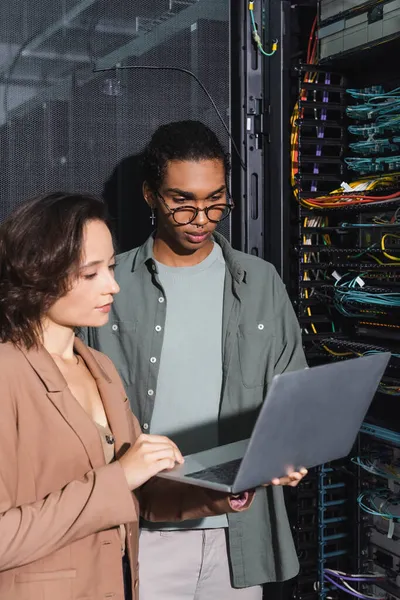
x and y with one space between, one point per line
357 192
341 581
376 502
297 113
371 147
371 92
347 199
375 103
348 294
383 109
394 260
375 468
382 125
376 222
373 165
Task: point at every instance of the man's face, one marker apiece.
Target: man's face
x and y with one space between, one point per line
198 184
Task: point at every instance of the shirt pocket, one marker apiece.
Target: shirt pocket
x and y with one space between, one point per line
123 348
256 344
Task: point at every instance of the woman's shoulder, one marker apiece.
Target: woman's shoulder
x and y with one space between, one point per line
9 353
12 368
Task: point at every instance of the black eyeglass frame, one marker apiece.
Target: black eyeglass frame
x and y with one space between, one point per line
172 211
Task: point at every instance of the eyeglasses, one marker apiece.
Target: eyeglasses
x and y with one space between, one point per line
183 215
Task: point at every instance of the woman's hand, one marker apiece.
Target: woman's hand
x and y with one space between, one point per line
149 455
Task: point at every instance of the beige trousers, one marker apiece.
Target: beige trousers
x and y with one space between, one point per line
189 564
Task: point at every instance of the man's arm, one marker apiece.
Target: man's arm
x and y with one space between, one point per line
289 354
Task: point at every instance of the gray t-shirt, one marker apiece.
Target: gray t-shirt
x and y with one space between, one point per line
190 375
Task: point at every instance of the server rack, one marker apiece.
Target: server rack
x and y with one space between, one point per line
345 285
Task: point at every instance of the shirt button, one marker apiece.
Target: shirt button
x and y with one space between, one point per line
153 360
145 426
150 392
158 327
114 327
260 326
153 267
161 299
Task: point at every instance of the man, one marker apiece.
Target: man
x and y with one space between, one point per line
197 333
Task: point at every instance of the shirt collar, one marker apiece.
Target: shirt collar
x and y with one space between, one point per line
144 256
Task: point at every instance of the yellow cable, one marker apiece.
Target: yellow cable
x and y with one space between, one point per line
393 235
380 262
340 353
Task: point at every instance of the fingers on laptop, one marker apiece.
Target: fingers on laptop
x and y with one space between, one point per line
292 479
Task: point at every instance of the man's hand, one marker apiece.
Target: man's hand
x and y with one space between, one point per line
292 479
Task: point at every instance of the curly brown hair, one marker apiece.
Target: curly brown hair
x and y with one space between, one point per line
40 251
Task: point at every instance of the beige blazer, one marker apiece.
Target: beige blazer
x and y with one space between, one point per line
60 504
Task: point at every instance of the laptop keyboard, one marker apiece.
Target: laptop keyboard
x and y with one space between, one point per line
224 473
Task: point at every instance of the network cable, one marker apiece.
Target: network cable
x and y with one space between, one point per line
375 468
347 199
311 58
365 184
166 68
347 294
376 222
357 192
376 502
256 36
381 125
383 245
376 102
355 576
373 165
341 581
345 225
371 92
384 434
377 146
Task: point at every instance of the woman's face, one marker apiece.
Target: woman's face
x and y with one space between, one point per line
88 302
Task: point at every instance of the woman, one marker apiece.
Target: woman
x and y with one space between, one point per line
71 452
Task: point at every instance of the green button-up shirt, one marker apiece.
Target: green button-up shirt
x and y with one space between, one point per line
260 338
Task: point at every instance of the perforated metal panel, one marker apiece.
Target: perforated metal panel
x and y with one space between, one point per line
62 126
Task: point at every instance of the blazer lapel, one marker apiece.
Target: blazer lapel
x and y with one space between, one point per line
111 395
69 408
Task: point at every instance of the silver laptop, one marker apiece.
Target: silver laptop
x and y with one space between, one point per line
309 417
